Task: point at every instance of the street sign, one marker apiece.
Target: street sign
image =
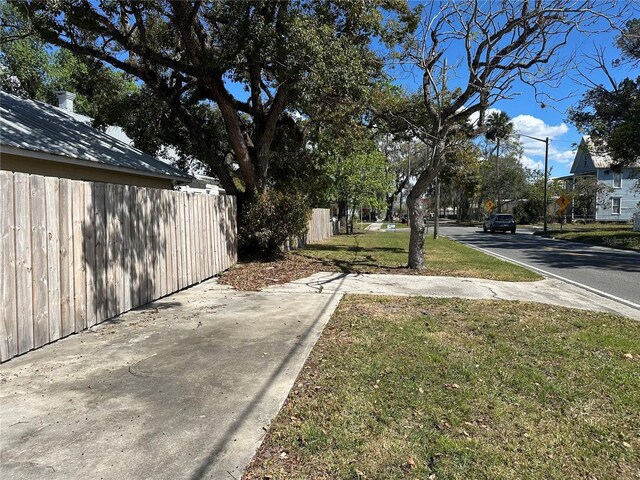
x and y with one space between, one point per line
563 201
489 205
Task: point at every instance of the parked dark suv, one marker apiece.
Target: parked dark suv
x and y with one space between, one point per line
499 221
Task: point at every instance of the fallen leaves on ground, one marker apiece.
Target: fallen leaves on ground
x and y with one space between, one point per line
257 274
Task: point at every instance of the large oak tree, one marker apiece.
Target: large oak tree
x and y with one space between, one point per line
230 73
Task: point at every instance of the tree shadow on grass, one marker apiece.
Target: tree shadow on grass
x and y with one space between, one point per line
350 248
365 264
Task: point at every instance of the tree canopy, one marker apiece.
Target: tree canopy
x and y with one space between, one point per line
234 84
610 114
29 69
258 62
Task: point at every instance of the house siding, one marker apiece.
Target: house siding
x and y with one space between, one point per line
36 166
628 193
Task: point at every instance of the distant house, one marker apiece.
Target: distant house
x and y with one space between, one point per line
41 139
612 195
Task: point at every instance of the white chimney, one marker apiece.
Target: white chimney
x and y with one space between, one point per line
65 100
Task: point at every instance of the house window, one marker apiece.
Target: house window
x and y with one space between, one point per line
615 206
617 180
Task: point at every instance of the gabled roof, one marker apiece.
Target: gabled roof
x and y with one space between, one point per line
38 127
587 160
599 160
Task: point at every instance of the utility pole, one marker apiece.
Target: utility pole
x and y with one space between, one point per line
546 176
499 183
436 218
409 178
546 172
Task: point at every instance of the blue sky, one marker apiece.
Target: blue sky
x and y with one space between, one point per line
531 118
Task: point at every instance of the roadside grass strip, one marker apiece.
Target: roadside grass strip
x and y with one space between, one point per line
624 239
381 252
404 388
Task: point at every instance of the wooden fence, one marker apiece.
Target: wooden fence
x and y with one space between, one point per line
320 226
74 253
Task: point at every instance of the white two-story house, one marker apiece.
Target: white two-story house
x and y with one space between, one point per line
615 193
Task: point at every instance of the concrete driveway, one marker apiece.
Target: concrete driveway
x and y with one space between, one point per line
185 387
180 389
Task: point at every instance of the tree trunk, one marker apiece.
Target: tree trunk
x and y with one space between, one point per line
416 239
342 216
416 205
389 216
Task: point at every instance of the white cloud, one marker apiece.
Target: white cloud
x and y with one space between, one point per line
535 127
475 116
533 156
563 157
530 163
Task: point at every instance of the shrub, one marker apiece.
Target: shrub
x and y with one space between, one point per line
529 211
267 221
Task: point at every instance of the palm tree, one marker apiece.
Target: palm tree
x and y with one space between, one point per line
499 127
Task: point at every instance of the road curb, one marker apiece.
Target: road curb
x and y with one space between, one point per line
552 275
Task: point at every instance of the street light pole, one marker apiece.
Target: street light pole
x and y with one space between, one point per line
546 171
546 175
436 218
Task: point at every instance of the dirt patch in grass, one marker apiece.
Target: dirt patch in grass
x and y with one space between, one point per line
257 274
405 388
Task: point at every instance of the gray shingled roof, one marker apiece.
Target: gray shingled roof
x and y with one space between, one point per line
39 127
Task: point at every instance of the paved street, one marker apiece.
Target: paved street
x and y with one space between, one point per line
616 272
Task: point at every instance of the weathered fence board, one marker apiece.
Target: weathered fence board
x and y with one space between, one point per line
89 236
126 248
67 310
188 237
319 228
52 194
74 253
39 264
9 320
99 273
24 292
80 281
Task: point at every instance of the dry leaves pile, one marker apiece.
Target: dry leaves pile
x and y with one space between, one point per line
255 275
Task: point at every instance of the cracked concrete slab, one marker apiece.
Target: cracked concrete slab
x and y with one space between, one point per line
550 291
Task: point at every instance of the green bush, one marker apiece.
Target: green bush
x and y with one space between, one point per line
267 221
528 212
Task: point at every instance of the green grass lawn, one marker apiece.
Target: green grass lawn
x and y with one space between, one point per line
387 252
580 227
615 236
417 388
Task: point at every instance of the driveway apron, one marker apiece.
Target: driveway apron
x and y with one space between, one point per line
183 388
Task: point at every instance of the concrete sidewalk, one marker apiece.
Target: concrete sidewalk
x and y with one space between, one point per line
185 387
550 291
